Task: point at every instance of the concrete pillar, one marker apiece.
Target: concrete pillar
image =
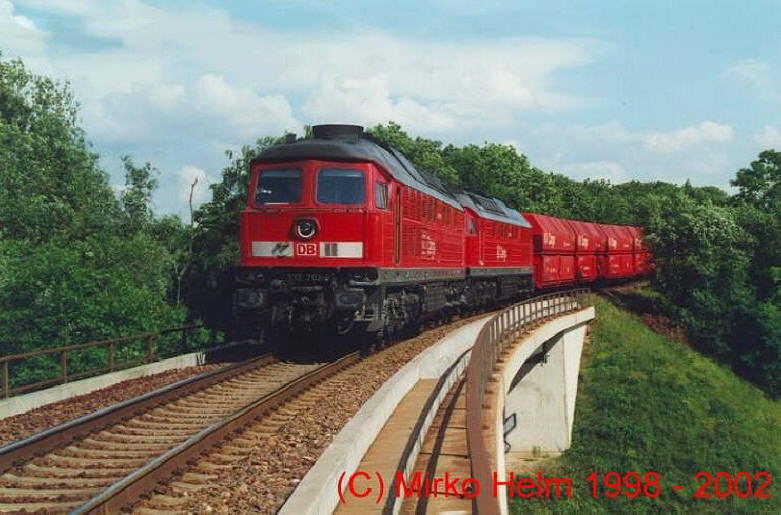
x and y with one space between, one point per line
541 382
573 348
539 403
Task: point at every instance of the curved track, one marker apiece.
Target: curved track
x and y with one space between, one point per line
66 466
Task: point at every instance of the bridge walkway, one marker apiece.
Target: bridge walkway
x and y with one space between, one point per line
539 343
384 454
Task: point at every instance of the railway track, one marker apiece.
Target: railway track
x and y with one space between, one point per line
102 462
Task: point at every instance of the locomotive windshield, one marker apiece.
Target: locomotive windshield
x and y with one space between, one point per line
278 187
339 186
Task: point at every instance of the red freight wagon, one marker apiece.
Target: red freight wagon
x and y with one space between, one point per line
627 264
618 261
610 262
642 256
643 263
554 250
498 249
589 241
628 258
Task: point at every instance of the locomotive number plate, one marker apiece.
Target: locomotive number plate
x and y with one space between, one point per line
306 249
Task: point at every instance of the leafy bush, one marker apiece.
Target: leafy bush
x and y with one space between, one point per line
76 263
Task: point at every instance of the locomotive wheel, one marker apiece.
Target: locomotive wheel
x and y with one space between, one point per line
344 336
344 326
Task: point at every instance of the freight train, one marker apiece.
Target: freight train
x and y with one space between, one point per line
343 234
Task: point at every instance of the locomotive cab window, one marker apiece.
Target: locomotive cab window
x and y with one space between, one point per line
340 186
278 187
381 195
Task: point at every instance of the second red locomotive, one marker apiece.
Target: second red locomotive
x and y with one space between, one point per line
342 232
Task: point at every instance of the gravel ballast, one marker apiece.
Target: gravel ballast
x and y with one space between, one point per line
271 467
41 418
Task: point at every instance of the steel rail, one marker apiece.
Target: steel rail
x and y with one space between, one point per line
63 434
132 487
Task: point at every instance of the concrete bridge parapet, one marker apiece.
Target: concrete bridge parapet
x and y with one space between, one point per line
530 406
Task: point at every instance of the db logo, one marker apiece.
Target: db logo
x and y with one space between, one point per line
306 249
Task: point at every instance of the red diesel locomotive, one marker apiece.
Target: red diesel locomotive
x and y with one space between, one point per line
341 233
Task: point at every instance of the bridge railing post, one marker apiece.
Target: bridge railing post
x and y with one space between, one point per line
6 382
64 366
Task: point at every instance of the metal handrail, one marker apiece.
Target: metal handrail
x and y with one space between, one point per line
111 346
505 327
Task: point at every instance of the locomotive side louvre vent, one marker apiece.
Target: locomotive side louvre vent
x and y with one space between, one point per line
411 240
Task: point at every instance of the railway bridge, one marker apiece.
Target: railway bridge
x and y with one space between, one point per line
456 420
462 411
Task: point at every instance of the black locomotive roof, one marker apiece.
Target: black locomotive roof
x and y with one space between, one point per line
491 208
350 143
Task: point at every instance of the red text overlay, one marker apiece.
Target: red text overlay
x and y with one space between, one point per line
373 485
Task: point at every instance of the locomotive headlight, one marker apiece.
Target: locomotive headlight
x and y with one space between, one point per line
305 228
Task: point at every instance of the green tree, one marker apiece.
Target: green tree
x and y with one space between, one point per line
702 268
140 183
50 181
76 263
760 184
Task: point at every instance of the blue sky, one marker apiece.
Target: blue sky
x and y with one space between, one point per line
618 90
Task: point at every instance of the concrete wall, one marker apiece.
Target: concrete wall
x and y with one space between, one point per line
22 403
573 349
544 399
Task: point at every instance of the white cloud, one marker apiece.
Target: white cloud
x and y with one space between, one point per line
759 75
770 137
705 132
376 76
609 170
174 86
243 109
366 99
611 151
18 34
753 71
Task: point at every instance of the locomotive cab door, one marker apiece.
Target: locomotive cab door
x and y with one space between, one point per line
397 226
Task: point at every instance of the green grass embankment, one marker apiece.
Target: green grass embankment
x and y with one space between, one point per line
649 404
